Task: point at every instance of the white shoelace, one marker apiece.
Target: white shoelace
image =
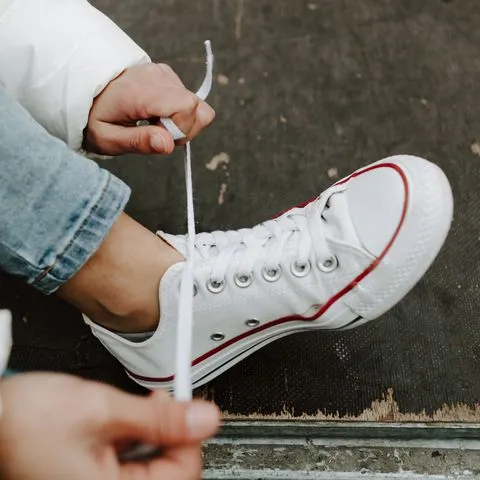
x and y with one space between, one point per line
183 361
298 229
272 234
309 234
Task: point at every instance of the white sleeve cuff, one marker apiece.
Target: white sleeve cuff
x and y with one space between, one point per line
56 56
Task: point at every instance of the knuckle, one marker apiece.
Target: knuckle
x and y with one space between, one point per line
191 102
184 121
134 143
208 115
213 114
165 68
149 71
151 68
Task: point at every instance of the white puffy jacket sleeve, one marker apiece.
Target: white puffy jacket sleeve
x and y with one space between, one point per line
56 56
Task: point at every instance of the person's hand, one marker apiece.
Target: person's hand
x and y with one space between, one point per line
144 92
57 427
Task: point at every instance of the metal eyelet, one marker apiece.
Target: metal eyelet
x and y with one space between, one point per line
243 280
329 264
272 274
217 337
215 286
252 322
300 269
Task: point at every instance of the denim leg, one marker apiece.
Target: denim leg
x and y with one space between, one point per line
56 207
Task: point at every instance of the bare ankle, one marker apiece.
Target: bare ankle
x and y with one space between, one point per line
118 286
137 321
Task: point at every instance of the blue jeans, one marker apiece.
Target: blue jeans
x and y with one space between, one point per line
56 207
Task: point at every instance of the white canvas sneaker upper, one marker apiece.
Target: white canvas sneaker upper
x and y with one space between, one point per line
335 262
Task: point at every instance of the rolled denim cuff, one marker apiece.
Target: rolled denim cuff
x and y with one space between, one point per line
99 218
56 207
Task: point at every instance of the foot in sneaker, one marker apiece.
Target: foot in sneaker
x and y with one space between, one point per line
334 263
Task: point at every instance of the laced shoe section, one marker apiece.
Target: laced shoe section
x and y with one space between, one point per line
304 231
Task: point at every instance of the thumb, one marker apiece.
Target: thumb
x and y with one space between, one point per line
156 421
117 139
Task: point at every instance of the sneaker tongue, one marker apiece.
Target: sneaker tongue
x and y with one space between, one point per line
338 223
178 242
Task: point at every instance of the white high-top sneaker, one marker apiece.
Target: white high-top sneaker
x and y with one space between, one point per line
333 263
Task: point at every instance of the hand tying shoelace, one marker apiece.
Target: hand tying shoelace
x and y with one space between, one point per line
183 378
183 383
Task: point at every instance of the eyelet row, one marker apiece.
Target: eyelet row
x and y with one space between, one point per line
251 323
244 280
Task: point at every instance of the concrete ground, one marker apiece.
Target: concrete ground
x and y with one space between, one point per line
306 92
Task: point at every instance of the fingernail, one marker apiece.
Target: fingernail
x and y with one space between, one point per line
158 143
202 418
